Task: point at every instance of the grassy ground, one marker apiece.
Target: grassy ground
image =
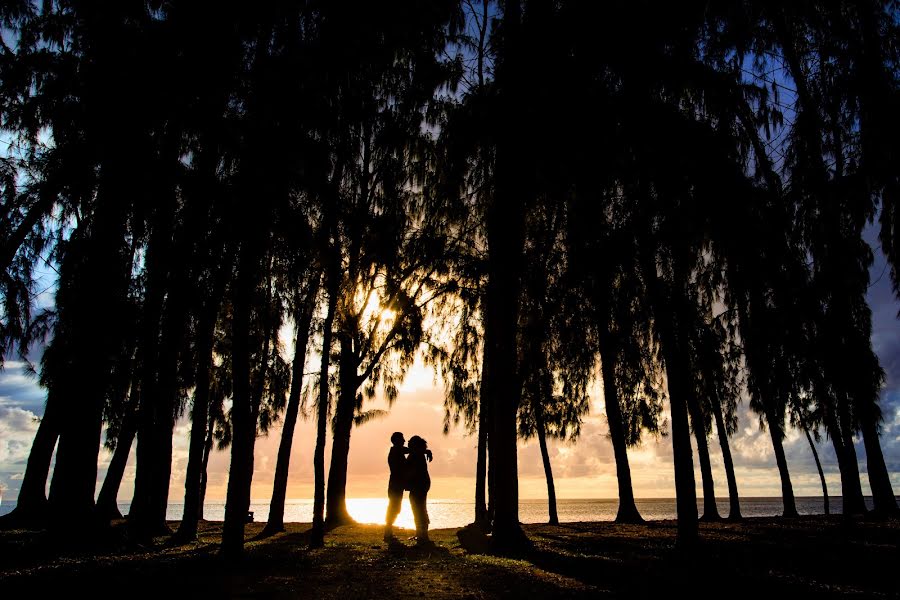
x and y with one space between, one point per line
763 558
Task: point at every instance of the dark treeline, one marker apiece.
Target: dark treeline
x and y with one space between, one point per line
667 198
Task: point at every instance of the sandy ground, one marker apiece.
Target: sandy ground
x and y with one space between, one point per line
762 558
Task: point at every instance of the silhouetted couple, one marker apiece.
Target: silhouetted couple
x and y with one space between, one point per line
408 473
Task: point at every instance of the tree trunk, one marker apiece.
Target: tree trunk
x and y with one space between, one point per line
851 490
31 506
734 501
481 511
879 479
317 537
200 443
505 234
275 523
628 512
107 500
787 490
698 420
207 450
336 501
679 388
240 473
815 454
545 457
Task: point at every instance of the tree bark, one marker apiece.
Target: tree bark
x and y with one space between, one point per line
698 420
879 480
734 500
317 537
481 511
851 489
240 473
545 457
107 500
275 523
200 443
628 512
787 490
32 507
815 454
336 503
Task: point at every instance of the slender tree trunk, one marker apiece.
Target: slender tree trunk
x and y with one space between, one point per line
851 490
317 538
240 474
698 420
545 457
200 443
481 510
679 388
815 454
279 490
787 490
31 506
204 472
879 479
336 501
107 500
734 501
628 512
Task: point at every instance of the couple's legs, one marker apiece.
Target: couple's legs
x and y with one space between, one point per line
418 503
393 509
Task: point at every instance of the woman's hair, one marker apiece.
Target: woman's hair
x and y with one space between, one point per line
417 443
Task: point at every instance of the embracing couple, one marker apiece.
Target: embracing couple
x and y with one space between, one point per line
408 473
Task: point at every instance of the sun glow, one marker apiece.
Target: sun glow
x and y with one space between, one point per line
373 511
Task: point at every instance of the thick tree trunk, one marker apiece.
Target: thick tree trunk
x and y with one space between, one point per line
734 501
275 523
787 490
91 338
545 457
815 453
505 227
628 512
107 500
879 480
31 507
336 501
698 420
317 537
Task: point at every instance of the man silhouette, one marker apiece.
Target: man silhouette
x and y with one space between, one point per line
397 464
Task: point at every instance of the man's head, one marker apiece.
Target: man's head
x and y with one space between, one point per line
397 438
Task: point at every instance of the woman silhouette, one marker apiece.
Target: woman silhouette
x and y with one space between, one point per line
418 482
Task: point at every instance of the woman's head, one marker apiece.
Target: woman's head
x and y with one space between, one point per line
417 443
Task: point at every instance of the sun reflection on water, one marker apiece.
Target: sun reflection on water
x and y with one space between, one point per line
373 510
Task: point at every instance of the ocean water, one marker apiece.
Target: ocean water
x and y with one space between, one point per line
456 513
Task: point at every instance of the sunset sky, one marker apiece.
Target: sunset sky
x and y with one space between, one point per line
583 470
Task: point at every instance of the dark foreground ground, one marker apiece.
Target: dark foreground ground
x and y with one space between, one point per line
764 558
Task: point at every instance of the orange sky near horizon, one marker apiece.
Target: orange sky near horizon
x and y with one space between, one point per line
585 469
